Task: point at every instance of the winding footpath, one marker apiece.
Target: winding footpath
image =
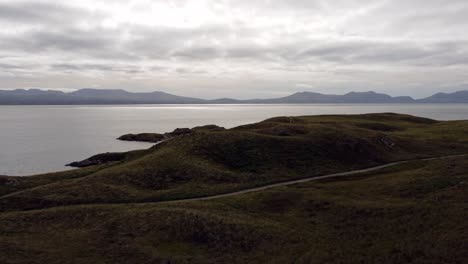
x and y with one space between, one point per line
286 183
314 178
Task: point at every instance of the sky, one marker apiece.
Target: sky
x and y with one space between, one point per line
236 48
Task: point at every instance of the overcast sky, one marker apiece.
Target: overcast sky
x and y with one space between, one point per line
237 48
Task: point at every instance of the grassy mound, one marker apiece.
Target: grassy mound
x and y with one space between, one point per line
213 161
412 213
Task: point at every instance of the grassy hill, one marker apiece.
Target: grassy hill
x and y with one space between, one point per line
414 213
113 213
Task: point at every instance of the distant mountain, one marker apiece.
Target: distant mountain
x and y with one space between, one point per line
101 96
353 97
456 97
134 98
90 96
303 98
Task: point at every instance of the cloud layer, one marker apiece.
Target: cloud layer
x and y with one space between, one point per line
239 48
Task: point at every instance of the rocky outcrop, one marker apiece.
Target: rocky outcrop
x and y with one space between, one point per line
98 160
155 137
143 137
208 128
178 132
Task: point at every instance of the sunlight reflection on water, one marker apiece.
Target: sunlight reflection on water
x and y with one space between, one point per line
36 139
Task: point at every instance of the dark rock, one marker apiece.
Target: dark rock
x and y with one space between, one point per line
179 132
208 128
156 138
144 137
98 160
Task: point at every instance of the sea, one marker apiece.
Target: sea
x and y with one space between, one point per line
42 139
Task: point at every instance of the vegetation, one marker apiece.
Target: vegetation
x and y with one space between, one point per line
115 213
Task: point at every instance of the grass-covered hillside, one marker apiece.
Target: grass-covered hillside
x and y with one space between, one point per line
411 213
208 162
127 211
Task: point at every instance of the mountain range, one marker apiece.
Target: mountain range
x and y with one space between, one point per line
117 96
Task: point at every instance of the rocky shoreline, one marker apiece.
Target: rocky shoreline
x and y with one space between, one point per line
98 159
156 137
109 157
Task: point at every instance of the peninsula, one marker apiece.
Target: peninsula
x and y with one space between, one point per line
347 188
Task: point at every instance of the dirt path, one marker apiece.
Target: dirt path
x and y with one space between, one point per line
315 178
269 186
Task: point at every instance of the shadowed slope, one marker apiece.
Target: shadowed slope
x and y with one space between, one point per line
413 213
211 162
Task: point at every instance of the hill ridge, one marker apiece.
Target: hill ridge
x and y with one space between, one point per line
121 96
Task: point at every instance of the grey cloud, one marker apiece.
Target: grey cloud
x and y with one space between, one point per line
387 53
94 43
6 66
296 41
18 67
204 53
253 51
419 18
161 42
71 40
189 71
280 5
78 67
40 12
39 40
157 68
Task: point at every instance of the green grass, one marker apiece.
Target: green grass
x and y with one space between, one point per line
399 215
217 161
411 213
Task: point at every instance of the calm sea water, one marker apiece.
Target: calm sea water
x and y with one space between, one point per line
39 139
